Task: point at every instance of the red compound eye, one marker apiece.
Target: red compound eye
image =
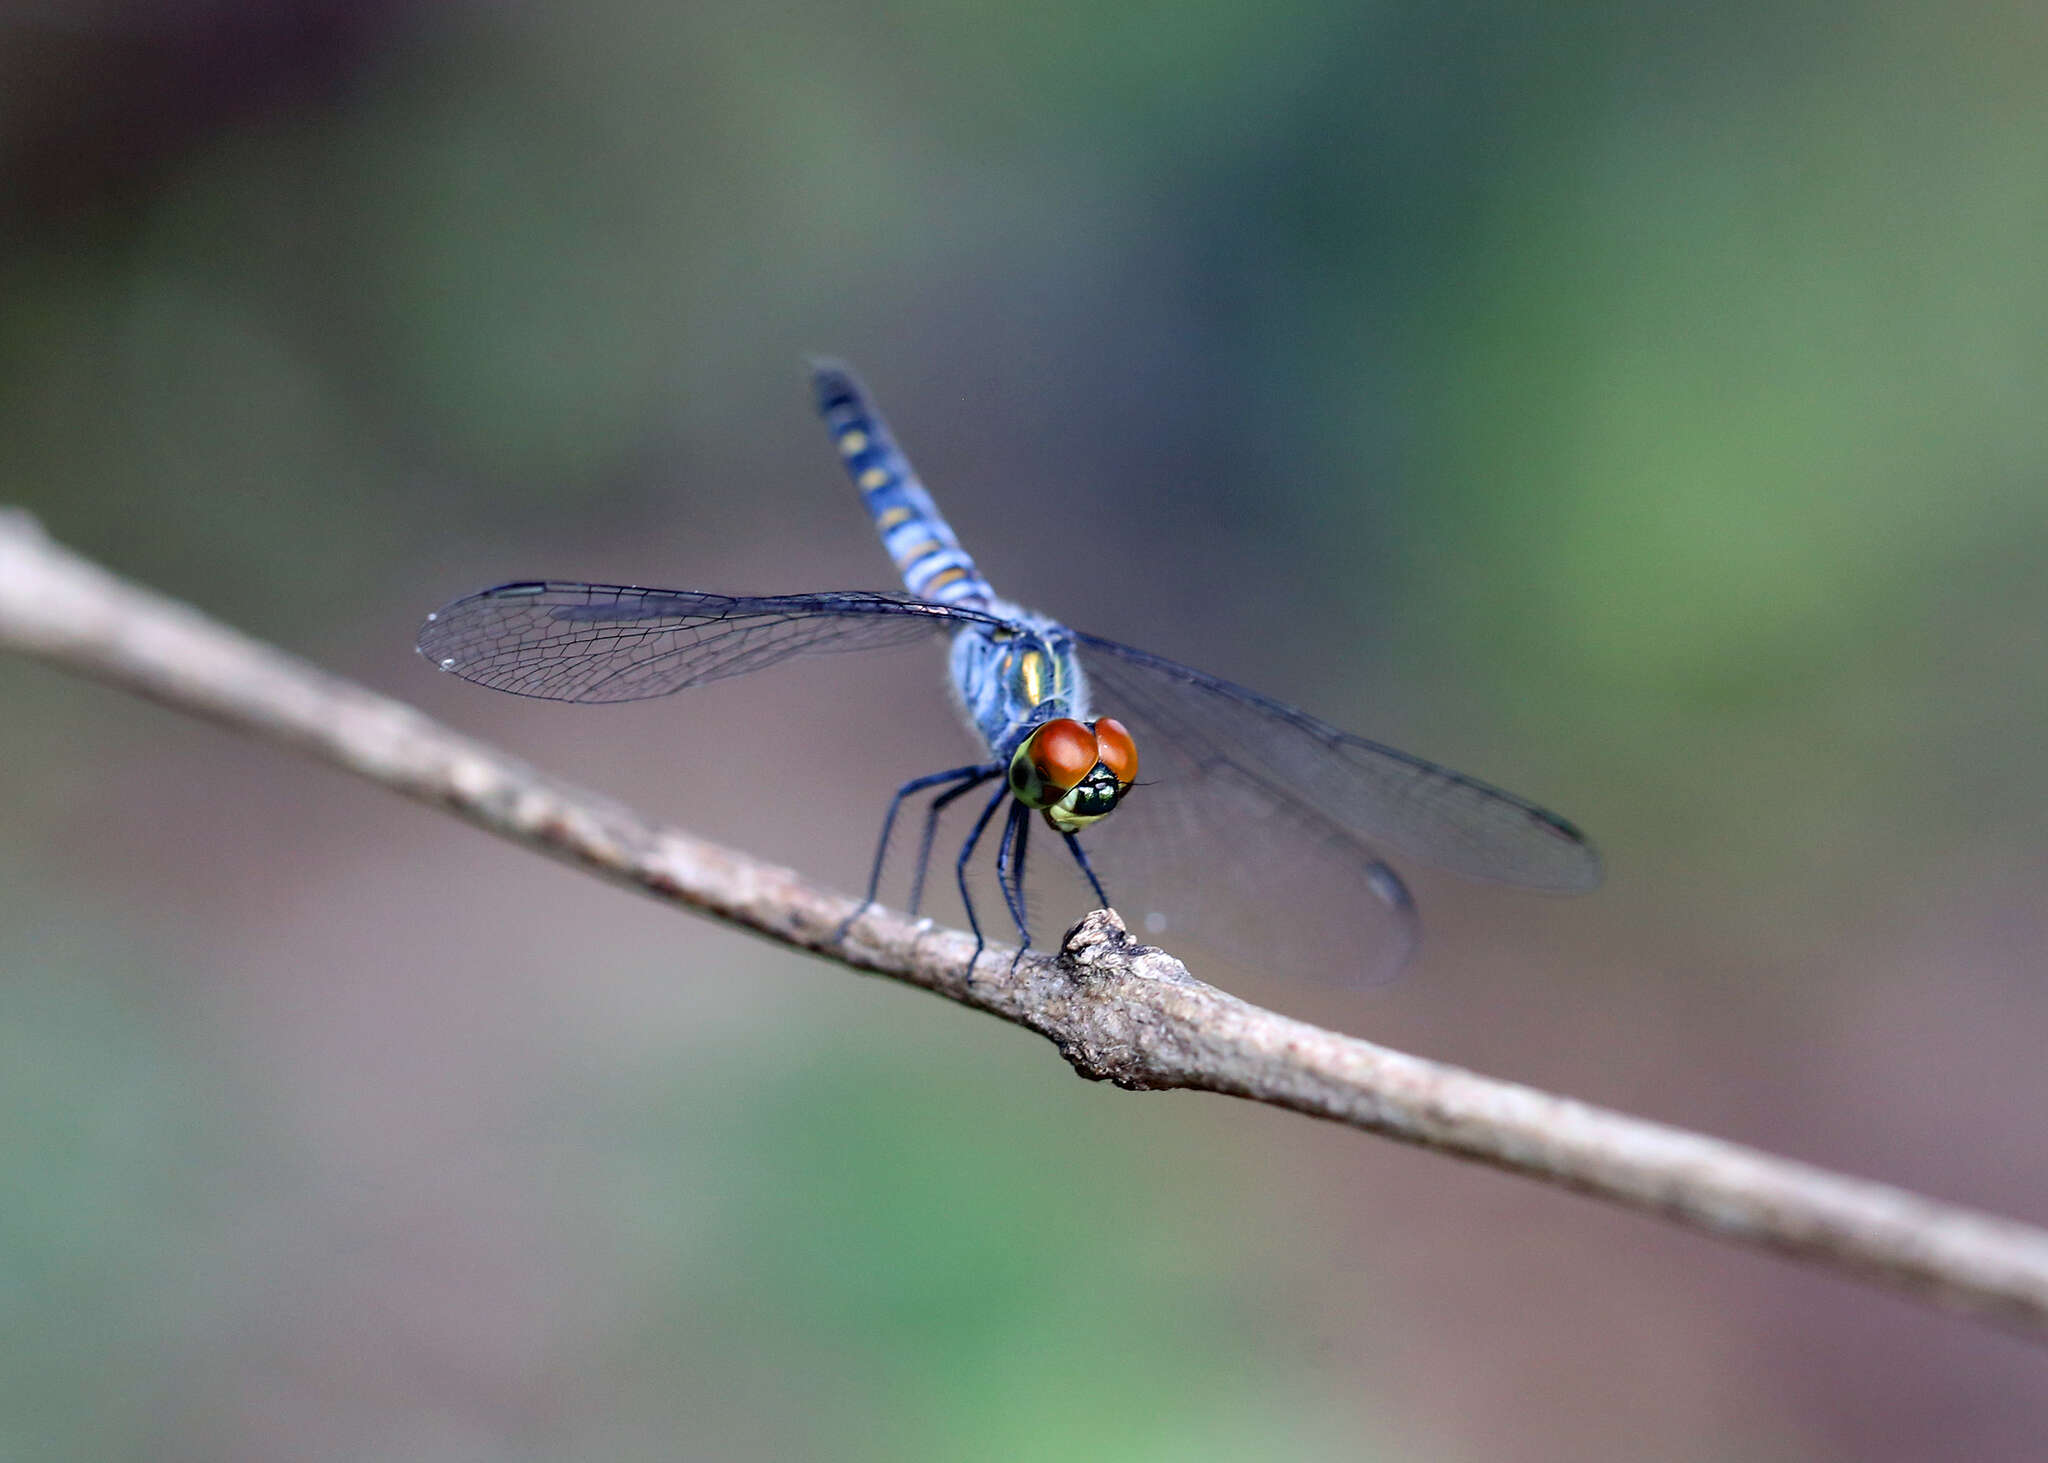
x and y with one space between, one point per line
1062 752
1118 752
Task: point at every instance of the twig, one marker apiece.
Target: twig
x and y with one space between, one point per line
1117 1011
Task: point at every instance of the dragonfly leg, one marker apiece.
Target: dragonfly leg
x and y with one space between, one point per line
916 784
975 777
960 875
1010 874
1074 847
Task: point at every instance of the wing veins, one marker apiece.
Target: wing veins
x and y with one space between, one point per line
568 641
1424 809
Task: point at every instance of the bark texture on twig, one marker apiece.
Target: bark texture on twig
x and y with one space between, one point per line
1116 1010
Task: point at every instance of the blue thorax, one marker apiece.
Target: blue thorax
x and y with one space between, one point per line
1009 681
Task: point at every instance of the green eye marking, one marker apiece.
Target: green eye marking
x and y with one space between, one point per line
1091 800
1030 789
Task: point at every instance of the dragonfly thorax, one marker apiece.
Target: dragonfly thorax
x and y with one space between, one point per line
1011 678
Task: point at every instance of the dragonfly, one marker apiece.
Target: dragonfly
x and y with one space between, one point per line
1218 790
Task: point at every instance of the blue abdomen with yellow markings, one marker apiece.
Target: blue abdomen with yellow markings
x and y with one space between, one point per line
1009 679
919 541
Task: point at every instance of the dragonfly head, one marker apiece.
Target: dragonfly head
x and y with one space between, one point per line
1074 773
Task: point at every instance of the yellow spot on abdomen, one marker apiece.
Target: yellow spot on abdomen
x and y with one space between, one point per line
896 515
944 578
854 443
874 477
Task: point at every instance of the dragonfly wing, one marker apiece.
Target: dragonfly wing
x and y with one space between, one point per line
1200 858
564 641
1330 784
1259 831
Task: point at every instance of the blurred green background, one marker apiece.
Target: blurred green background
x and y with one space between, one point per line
1645 407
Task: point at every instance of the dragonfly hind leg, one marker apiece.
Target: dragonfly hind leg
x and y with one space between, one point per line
938 806
967 777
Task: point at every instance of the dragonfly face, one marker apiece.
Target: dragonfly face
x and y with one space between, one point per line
1075 774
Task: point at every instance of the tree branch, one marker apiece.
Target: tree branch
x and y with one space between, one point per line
1116 1010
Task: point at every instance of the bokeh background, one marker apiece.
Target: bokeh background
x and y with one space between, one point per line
1642 406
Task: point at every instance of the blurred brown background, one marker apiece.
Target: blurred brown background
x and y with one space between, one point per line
1646 408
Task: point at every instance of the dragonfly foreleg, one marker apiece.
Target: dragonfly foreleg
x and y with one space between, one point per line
1074 847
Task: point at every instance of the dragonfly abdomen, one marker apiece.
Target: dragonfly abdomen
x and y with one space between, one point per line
918 539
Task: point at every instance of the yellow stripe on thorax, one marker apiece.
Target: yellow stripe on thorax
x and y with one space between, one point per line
1031 672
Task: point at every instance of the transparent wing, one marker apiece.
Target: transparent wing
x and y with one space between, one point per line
564 641
1207 863
1258 831
1333 786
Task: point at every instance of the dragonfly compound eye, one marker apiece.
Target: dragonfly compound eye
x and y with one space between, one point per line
1118 752
1052 761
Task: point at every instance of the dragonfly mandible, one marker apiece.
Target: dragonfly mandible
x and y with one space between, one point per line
1075 732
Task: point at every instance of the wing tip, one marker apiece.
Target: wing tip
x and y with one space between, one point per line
1585 870
431 629
1392 890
